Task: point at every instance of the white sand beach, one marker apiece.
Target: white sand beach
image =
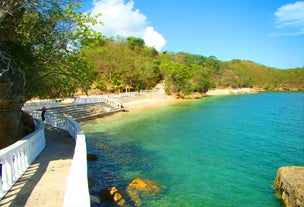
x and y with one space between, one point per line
148 100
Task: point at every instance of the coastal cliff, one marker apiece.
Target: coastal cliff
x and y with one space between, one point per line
290 185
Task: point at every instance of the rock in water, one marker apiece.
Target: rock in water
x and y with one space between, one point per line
112 195
94 200
91 157
139 188
144 185
290 184
90 182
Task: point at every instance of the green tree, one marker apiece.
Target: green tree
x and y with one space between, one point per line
119 67
201 80
135 42
40 56
177 77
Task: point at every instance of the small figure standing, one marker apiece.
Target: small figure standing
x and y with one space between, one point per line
43 113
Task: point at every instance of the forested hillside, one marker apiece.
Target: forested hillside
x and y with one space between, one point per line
127 64
59 54
48 49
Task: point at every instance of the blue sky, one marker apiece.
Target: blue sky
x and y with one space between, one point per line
268 32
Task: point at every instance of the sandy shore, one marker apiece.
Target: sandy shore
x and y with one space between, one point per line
230 91
146 101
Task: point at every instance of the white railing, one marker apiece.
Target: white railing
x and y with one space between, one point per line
153 91
77 189
128 94
113 103
98 99
37 105
89 99
16 158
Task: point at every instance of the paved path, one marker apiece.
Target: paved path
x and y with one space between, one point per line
43 184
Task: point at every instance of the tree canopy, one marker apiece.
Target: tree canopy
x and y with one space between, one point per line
118 65
41 55
48 50
45 39
52 43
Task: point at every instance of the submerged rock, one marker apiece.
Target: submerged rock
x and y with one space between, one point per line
144 185
112 195
91 157
140 187
90 182
290 185
94 200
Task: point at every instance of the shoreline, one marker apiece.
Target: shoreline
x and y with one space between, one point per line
149 101
152 100
231 91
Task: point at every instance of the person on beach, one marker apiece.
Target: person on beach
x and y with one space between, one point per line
43 113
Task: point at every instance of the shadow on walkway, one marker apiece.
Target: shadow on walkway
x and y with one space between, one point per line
44 182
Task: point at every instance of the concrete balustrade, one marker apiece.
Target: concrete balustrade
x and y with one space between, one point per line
16 158
37 105
153 91
77 190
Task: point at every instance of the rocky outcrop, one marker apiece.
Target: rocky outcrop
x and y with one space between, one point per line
135 192
90 182
140 184
139 187
91 157
290 185
112 195
94 200
195 95
28 123
12 83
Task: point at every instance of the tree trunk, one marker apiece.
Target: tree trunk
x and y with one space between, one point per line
12 83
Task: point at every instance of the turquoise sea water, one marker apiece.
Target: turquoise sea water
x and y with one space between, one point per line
218 151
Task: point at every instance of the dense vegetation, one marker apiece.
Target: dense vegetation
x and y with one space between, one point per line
59 54
48 50
42 39
40 56
127 63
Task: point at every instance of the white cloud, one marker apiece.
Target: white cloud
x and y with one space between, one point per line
291 17
154 39
122 19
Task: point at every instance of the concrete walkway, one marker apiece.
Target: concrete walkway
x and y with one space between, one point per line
44 182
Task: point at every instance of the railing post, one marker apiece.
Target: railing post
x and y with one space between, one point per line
1 187
23 160
15 166
7 175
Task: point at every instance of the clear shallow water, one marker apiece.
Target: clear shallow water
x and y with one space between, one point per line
219 151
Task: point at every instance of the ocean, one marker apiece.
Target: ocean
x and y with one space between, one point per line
216 151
